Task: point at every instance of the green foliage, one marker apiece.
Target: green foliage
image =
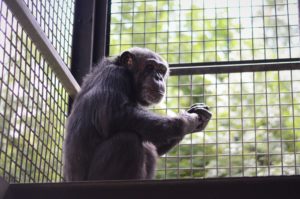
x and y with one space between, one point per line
253 128
33 108
255 115
195 31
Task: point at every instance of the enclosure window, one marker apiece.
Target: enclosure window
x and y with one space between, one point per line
255 126
255 129
191 31
33 103
56 20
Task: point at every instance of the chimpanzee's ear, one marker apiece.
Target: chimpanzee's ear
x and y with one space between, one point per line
127 59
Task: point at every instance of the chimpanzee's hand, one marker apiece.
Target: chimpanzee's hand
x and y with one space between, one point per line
203 113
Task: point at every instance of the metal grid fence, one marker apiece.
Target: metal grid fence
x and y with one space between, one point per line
189 31
56 20
33 108
255 129
255 126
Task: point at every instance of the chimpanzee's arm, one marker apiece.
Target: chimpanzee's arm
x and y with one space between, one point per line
163 148
154 128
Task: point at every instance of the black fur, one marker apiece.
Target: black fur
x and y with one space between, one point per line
110 135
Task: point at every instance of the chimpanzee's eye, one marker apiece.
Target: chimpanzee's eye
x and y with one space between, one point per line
162 70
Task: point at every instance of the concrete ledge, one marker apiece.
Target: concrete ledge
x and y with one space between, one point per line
241 188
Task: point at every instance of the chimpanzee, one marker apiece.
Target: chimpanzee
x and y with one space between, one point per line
111 135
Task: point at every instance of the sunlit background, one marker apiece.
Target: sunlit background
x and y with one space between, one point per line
207 31
255 129
256 115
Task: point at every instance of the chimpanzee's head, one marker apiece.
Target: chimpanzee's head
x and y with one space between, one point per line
150 72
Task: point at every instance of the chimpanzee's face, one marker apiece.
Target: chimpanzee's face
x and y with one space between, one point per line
150 72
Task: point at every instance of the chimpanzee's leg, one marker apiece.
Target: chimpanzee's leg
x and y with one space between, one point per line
121 157
150 159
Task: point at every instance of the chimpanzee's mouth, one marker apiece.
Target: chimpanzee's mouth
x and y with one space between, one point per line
152 96
155 91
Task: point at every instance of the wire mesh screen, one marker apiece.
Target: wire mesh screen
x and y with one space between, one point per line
189 31
255 129
33 108
255 126
56 20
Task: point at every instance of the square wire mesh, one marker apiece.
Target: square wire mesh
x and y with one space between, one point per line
56 20
255 129
191 31
33 108
255 126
